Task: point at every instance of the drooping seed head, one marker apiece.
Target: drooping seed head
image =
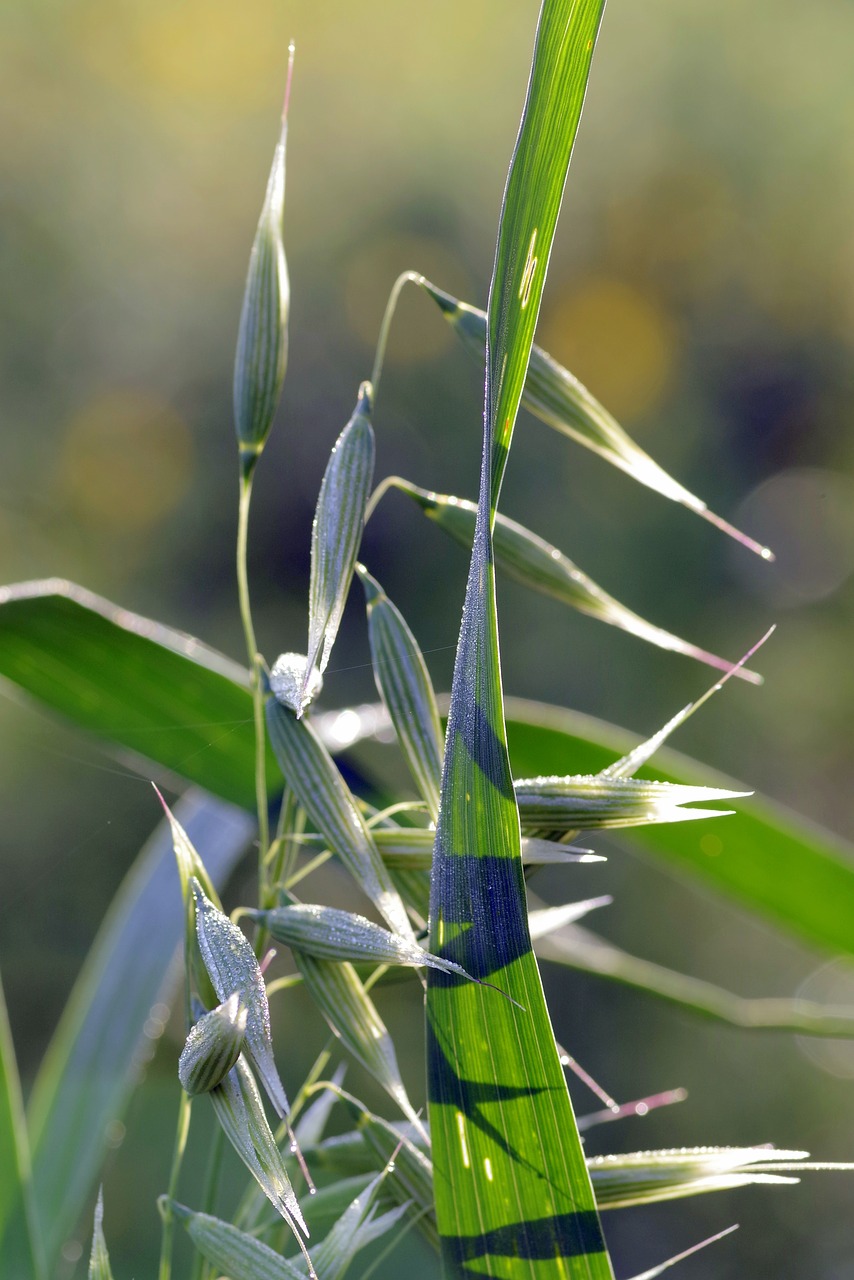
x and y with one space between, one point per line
213 1046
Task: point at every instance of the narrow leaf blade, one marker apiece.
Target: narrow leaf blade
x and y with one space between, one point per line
20 1253
513 1196
171 699
104 1036
162 695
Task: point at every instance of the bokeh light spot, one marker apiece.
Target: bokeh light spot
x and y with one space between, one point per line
125 462
201 50
806 515
617 340
832 984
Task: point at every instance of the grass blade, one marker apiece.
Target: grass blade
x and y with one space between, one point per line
19 1235
553 395
171 699
132 681
318 786
405 687
104 1036
513 1197
336 534
529 559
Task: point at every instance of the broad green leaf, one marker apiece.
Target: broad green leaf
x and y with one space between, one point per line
233 968
171 699
513 1196
529 559
117 1009
231 1251
404 685
765 858
20 1252
340 995
99 1259
553 395
578 948
262 340
311 774
159 693
337 532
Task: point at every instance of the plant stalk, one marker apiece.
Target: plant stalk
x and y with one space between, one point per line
407 277
255 668
181 1132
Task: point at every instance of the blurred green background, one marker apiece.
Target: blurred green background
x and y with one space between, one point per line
702 284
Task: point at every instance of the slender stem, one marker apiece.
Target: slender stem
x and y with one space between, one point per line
181 1132
255 677
209 1194
379 493
291 827
407 277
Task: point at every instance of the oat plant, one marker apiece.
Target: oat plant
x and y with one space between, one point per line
493 1174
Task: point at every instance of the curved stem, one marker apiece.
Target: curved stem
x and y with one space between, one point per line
379 493
255 677
181 1132
413 277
